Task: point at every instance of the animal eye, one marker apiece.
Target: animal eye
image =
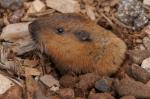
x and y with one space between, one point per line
82 35
60 30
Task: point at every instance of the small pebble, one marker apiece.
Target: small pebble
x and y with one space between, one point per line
138 73
146 64
101 96
16 16
104 85
139 41
128 97
137 56
68 81
87 81
66 93
127 86
36 6
39 95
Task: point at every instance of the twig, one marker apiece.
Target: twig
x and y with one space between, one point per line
109 21
121 24
115 29
43 13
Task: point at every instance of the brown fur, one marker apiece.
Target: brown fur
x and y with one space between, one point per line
103 54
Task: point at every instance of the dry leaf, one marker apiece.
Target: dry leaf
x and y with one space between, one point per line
90 12
19 37
30 63
51 82
32 71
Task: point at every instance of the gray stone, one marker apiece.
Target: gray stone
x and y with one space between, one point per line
11 4
104 85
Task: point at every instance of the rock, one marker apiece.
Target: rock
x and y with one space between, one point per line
104 85
87 81
101 96
36 6
146 2
131 12
128 97
146 64
64 6
137 56
5 84
68 81
50 81
11 4
127 86
15 92
54 97
138 73
19 37
66 93
79 98
146 41
8 89
16 16
39 95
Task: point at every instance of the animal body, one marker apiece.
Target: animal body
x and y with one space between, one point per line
78 44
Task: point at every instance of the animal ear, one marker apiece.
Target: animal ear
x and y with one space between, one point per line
34 29
82 35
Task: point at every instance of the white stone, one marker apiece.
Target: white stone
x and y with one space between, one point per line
146 64
5 84
64 6
36 6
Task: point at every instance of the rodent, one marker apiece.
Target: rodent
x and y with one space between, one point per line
78 44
